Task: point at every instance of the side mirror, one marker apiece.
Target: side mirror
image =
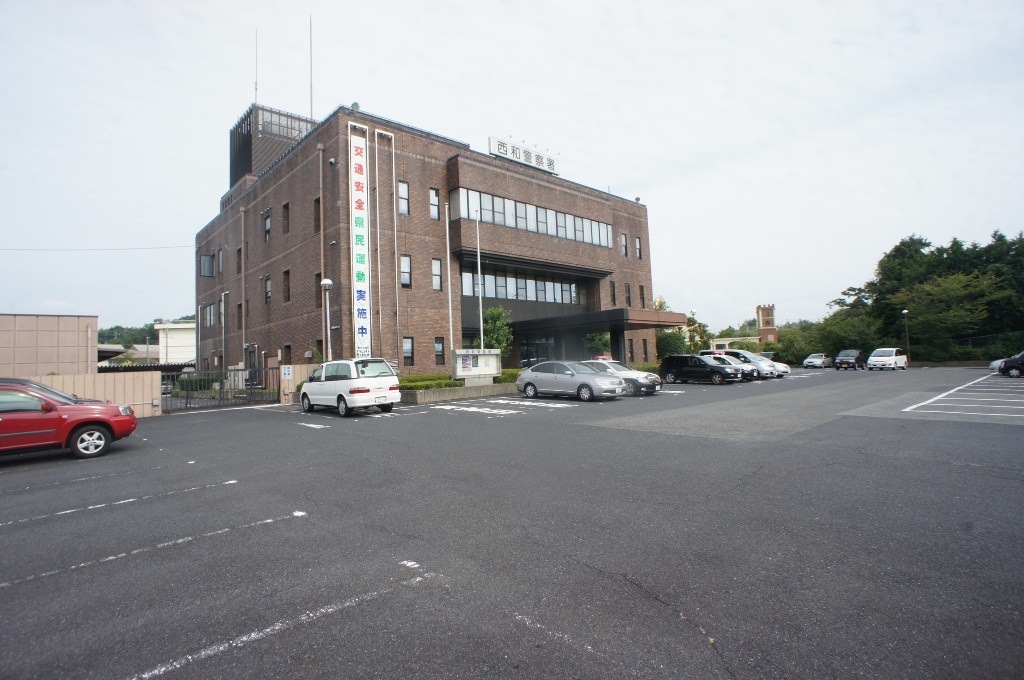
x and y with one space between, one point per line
46 407
568 372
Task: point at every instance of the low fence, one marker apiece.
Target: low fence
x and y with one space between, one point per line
196 390
140 390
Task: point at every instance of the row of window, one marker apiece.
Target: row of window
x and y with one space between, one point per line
629 295
403 201
469 204
510 286
409 351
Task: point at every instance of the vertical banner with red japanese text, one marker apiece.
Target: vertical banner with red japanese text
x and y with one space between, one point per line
362 328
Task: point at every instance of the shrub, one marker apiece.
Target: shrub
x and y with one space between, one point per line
195 383
431 384
650 368
508 375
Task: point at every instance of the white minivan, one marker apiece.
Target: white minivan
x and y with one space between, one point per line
887 357
350 384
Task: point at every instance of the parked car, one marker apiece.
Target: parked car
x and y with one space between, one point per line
32 420
849 358
747 371
637 382
819 360
1012 367
765 367
569 378
350 384
46 390
781 369
887 357
687 367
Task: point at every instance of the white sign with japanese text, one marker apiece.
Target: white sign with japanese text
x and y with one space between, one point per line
503 148
362 326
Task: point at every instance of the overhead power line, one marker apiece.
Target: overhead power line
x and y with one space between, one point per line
80 250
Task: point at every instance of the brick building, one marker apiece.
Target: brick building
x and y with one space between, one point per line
362 201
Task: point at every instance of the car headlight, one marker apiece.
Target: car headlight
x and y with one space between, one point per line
125 410
608 382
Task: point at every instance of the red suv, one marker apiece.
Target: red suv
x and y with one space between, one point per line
31 420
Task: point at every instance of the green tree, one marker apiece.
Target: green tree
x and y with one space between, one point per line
951 306
598 343
497 331
670 341
698 335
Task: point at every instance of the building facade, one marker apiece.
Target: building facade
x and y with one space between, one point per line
389 214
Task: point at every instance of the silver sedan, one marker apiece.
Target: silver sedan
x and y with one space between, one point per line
568 378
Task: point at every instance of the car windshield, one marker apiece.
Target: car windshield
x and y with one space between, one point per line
580 367
725 358
600 367
618 366
816 356
848 353
373 368
51 391
882 353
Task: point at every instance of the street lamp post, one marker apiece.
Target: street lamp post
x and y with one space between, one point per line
479 280
327 284
906 330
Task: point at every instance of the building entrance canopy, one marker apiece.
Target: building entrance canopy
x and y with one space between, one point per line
560 337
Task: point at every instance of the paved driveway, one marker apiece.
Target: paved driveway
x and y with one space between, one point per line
803 527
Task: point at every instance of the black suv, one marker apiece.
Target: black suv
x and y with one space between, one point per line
687 367
850 358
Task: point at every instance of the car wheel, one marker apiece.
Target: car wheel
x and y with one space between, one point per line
1013 372
716 379
386 408
585 393
343 410
307 405
871 369
903 367
90 441
670 377
631 390
530 390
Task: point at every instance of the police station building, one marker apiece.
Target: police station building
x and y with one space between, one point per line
389 214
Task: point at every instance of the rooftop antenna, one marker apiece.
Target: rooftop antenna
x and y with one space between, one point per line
256 82
311 66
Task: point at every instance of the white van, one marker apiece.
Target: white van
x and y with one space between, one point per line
349 384
887 357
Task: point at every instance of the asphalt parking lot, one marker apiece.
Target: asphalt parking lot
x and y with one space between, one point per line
828 524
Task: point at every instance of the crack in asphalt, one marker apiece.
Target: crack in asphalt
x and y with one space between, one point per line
712 642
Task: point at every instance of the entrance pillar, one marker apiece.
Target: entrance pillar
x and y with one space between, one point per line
618 337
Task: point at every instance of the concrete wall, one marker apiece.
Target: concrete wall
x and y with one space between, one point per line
39 344
139 390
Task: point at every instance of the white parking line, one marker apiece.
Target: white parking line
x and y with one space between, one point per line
544 404
283 625
159 546
123 502
82 479
944 394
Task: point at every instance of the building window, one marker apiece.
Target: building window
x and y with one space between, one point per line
267 289
612 284
435 204
206 265
629 298
435 274
316 215
406 271
622 242
220 312
439 351
285 219
286 286
320 347
639 252
238 316
266 227
318 293
643 347
469 284
220 260
643 298
630 344
286 354
238 260
403 198
408 358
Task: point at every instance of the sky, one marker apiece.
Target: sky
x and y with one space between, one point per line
781 148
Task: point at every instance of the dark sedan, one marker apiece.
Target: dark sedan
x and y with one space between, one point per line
1012 367
687 367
